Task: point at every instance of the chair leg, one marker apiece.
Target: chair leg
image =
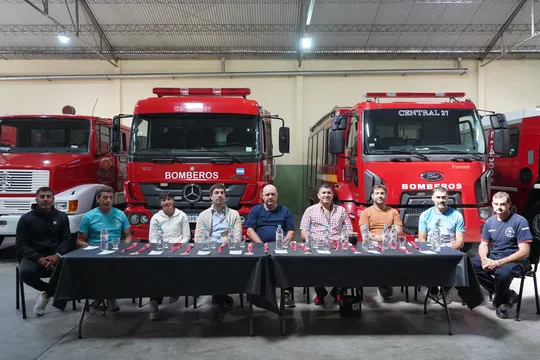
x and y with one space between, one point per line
519 297
17 297
490 297
241 300
536 294
292 294
186 302
133 301
74 305
307 296
406 293
23 300
140 302
194 302
416 290
402 289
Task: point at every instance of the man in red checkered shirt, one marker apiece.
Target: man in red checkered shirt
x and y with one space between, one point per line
325 213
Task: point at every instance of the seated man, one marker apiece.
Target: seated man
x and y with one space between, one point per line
376 216
175 226
218 218
325 213
42 237
105 216
263 220
451 225
510 235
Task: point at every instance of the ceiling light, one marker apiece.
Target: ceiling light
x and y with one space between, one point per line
63 38
306 42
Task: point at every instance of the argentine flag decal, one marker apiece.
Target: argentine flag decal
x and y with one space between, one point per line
239 171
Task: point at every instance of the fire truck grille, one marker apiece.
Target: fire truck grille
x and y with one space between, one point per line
414 211
10 206
191 197
23 181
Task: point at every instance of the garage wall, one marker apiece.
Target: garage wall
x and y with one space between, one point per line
301 101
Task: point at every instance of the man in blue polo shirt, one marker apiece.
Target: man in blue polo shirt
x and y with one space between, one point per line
510 236
451 225
264 219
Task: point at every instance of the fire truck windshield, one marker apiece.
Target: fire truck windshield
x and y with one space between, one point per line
37 135
424 131
183 134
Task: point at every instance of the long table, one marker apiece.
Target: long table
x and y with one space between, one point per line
345 268
86 275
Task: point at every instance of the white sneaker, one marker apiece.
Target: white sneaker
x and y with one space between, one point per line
41 304
112 305
154 310
173 299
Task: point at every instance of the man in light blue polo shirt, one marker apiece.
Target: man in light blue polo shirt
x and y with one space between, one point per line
450 223
105 216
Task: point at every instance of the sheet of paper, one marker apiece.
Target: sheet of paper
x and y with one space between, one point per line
248 253
235 252
326 252
357 253
154 252
373 251
281 251
106 252
429 252
90 247
203 252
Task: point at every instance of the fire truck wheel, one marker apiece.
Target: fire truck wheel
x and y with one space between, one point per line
534 219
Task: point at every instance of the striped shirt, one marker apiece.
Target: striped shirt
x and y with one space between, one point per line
318 219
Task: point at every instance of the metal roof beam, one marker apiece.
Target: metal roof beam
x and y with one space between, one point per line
503 28
306 11
98 28
94 50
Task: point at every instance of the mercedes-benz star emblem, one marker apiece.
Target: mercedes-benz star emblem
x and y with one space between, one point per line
192 192
5 181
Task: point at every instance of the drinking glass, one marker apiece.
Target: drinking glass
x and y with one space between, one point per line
243 242
115 242
402 240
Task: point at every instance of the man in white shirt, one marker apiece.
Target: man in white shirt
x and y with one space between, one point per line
175 226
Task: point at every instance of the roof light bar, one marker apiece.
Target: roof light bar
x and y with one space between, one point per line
414 94
201 91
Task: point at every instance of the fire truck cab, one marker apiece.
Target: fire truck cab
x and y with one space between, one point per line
68 153
411 147
517 171
184 140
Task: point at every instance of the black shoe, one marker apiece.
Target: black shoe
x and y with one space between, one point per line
289 301
446 295
225 303
502 312
512 299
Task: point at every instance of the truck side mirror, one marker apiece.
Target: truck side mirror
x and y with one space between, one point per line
284 140
498 121
339 122
501 142
115 136
337 142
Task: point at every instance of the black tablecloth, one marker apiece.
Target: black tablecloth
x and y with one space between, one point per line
86 275
343 268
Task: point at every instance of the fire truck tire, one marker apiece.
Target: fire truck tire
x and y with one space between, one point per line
534 219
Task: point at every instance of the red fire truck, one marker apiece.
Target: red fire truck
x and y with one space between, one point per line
517 172
68 153
184 140
410 147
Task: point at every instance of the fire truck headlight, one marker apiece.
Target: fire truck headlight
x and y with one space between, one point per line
61 205
144 219
484 212
134 219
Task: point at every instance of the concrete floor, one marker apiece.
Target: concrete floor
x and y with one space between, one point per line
397 330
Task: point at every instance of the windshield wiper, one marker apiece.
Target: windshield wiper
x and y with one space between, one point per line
170 156
474 156
410 152
201 149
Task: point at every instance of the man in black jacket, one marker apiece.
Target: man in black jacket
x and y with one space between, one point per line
42 236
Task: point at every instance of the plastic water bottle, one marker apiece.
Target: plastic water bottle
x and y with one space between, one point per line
232 240
344 238
385 238
205 238
160 245
366 241
104 240
326 238
279 237
393 237
436 238
309 239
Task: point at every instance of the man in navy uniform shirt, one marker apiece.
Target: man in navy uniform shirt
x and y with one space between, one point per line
510 235
263 221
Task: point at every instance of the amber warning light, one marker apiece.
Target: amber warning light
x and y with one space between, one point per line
414 94
202 91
